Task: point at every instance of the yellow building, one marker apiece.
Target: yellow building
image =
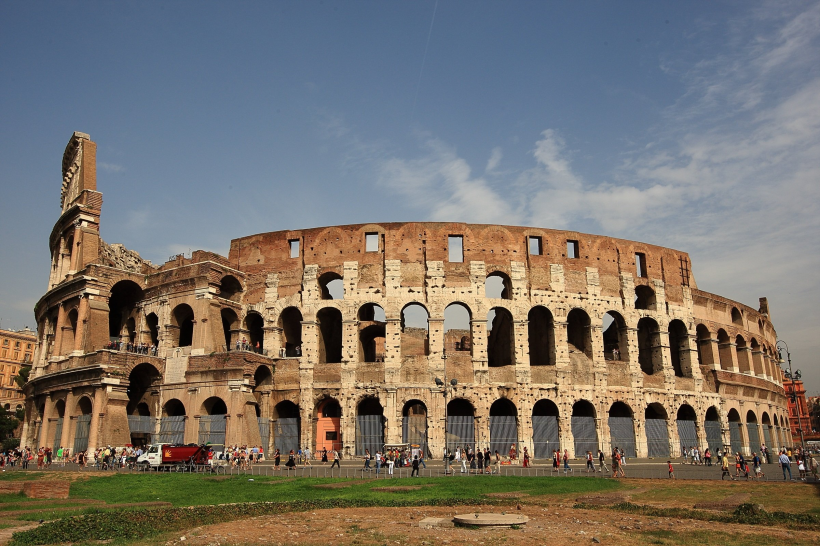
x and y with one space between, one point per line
16 351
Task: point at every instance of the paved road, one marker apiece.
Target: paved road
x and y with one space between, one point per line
352 469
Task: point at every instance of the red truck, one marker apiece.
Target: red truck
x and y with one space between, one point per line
180 457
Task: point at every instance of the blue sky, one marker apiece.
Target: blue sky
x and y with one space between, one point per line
692 125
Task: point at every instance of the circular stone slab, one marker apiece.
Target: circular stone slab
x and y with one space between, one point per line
487 520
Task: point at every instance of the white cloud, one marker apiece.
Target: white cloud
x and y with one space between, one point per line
495 159
110 167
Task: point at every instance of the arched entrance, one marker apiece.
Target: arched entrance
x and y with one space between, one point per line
500 338
752 431
143 394
263 385
212 422
255 326
541 336
83 425
622 428
59 410
183 319
735 431
583 428
290 321
230 327
369 426
503 426
767 430
460 424
328 427
657 431
330 335
286 429
172 423
687 429
544 429
414 425
714 438
372 324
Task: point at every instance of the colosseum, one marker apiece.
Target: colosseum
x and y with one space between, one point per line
424 333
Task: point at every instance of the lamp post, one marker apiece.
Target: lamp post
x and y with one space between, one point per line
781 346
444 388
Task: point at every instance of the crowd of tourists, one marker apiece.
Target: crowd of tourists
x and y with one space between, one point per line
138 348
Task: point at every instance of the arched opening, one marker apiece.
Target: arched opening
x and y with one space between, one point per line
328 428
286 429
724 350
545 437
687 427
622 428
657 430
330 335
752 431
743 364
578 333
757 359
679 349
212 422
649 346
616 338
541 336
70 332
290 321
500 338
414 425
768 430
152 322
735 431
230 327
503 426
704 346
369 426
59 411
737 317
457 319
143 395
182 322
372 323
460 424
230 288
645 298
121 306
83 424
415 339
498 286
255 326
711 424
583 427
172 423
332 286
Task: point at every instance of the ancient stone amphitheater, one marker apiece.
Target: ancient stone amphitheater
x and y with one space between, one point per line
420 333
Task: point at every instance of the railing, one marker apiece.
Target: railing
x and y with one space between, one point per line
136 348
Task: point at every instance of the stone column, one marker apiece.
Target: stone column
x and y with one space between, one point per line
273 340
392 413
82 327
522 351
639 426
435 336
97 411
599 371
69 421
44 428
392 350
478 332
666 358
58 331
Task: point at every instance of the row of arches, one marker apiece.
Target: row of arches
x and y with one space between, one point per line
750 357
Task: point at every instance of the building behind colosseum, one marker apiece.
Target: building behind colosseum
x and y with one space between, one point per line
353 336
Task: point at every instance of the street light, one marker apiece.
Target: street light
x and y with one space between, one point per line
795 376
443 386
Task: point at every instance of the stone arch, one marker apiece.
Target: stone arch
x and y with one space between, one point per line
372 333
70 332
414 424
768 430
503 426
500 338
182 321
330 335
724 350
622 428
290 321
752 431
578 332
498 285
173 407
735 431
650 356
712 426
541 336
460 424
657 430
415 330
457 317
152 322
144 380
545 429
286 426
327 425
705 357
255 325
331 286
758 367
214 406
645 298
743 364
737 317
122 305
212 421
679 348
230 327
584 430
370 423
230 288
615 337
82 424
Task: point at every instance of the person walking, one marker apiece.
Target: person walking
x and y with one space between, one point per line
526 458
590 464
415 472
366 460
601 464
277 458
671 470
324 455
391 461
336 458
308 455
566 461
786 465
616 459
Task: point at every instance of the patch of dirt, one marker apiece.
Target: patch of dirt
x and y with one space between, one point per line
376 526
725 505
337 485
397 489
615 497
508 495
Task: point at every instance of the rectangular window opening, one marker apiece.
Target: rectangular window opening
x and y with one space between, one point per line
455 246
294 248
640 264
371 242
535 246
572 249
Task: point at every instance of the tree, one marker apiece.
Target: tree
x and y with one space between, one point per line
22 376
8 423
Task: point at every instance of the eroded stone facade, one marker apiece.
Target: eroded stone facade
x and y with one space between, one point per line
335 337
